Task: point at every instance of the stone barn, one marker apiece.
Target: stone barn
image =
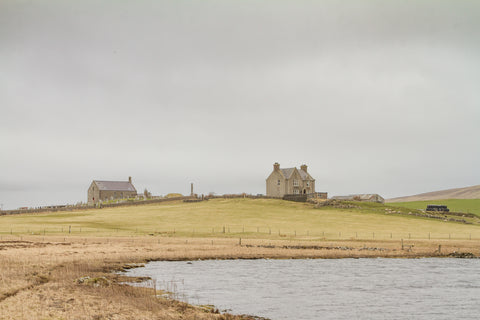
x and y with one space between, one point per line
369 197
100 191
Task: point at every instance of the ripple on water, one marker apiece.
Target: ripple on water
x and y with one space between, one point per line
328 289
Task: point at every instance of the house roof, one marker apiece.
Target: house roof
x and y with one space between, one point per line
305 175
115 185
287 173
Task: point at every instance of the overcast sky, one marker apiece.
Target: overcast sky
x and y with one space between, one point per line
374 96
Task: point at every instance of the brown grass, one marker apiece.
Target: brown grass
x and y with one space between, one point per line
39 277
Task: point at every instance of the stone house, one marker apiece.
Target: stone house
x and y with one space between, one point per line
100 191
289 181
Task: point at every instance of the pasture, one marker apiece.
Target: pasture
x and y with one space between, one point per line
245 218
455 205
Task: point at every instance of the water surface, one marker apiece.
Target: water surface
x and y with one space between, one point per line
327 288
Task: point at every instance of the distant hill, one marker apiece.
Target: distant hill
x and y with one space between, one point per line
458 193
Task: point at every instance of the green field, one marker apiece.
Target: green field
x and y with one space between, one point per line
455 205
254 218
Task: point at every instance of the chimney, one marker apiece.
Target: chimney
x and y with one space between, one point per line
130 179
276 166
303 167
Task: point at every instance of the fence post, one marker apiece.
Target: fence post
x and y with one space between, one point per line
402 243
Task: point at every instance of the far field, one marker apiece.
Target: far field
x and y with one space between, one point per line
455 205
241 218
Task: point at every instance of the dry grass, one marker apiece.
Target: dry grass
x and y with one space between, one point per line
43 257
45 271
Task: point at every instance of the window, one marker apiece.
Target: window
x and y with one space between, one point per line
296 191
278 182
308 183
295 183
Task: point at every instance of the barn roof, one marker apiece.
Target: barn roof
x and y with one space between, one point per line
115 185
363 196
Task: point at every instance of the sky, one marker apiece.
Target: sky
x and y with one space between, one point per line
374 96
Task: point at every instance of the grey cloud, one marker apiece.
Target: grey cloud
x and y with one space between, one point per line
215 92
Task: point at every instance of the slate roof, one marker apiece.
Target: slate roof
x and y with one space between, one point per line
115 186
287 173
305 175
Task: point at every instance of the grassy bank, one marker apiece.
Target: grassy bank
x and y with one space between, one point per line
258 218
455 205
73 278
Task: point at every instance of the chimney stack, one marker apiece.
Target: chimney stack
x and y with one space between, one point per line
276 166
130 179
303 167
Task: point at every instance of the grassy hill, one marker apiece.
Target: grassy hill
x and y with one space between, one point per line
458 193
253 218
455 205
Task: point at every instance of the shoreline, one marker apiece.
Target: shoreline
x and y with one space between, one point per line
48 271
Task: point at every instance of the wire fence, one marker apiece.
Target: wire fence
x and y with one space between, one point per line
229 231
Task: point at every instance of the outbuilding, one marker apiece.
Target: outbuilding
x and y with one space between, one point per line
100 190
